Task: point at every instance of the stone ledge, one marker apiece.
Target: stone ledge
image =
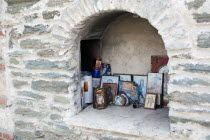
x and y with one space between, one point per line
125 120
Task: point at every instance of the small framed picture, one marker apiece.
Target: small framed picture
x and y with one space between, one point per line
105 69
130 90
155 83
150 101
99 98
140 81
109 79
124 77
119 100
111 91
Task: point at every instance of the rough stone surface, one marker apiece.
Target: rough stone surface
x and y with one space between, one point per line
56 117
50 86
30 95
28 112
196 4
201 18
19 84
14 61
33 44
28 135
14 6
189 97
18 53
55 3
35 29
46 53
191 82
31 17
194 68
46 64
183 56
54 75
175 120
24 103
26 125
204 40
50 14
62 100
14 33
20 74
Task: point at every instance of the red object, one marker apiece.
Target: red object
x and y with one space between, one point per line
1 33
3 101
158 62
97 62
2 67
8 137
97 68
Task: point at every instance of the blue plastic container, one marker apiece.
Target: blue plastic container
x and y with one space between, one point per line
96 72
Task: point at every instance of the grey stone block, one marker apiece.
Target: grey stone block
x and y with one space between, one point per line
189 97
20 74
35 29
18 53
14 6
26 125
54 75
183 56
46 64
55 3
204 40
50 86
193 68
201 18
190 82
56 117
33 44
175 120
29 135
57 108
30 94
62 100
50 14
14 61
14 33
31 17
27 112
47 53
19 84
196 4
22 102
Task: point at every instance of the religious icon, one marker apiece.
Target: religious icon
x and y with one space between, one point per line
100 99
111 90
150 101
141 83
155 83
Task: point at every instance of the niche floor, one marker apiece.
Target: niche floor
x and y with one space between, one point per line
139 122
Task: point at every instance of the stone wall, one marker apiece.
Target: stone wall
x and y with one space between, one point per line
41 57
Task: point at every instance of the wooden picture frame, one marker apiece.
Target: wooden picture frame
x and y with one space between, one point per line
150 101
99 98
111 91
